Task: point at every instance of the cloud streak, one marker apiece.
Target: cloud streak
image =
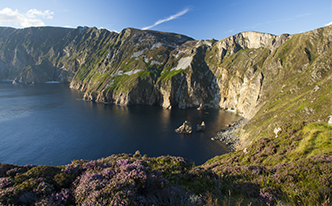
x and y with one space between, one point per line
33 17
167 19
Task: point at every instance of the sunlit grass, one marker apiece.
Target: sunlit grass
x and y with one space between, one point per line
317 140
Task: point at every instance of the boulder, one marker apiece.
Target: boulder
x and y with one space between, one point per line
330 121
200 127
276 131
185 128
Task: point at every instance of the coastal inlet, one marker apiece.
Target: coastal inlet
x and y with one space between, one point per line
50 124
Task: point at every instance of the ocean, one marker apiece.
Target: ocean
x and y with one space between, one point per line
50 124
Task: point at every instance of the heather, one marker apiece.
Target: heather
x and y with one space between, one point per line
294 167
290 168
122 179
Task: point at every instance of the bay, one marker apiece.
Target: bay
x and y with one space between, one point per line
49 124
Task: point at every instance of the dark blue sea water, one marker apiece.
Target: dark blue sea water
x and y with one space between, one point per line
50 124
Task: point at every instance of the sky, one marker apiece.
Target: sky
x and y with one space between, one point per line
198 19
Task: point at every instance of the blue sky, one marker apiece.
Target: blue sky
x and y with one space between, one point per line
195 18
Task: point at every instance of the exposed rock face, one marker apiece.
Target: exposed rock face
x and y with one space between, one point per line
200 127
228 136
33 54
276 131
185 128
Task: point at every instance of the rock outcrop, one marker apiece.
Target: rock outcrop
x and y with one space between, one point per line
185 128
200 127
228 136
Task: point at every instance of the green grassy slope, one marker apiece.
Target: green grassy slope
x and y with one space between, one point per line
299 89
296 84
293 167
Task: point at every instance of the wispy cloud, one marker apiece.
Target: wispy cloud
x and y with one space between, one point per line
304 15
33 17
167 19
328 24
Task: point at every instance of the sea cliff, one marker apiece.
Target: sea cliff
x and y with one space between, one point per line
267 79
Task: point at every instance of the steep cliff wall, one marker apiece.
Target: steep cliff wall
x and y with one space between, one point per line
127 71
297 84
164 69
33 54
243 72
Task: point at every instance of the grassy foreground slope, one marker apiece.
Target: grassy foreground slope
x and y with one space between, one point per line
293 167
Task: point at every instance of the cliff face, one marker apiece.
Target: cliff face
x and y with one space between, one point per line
243 72
33 54
175 71
126 68
297 84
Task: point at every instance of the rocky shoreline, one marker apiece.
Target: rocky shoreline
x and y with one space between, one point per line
228 135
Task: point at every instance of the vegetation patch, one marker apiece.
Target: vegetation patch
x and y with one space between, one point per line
293 168
169 74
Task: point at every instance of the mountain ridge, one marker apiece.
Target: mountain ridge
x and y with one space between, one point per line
239 73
